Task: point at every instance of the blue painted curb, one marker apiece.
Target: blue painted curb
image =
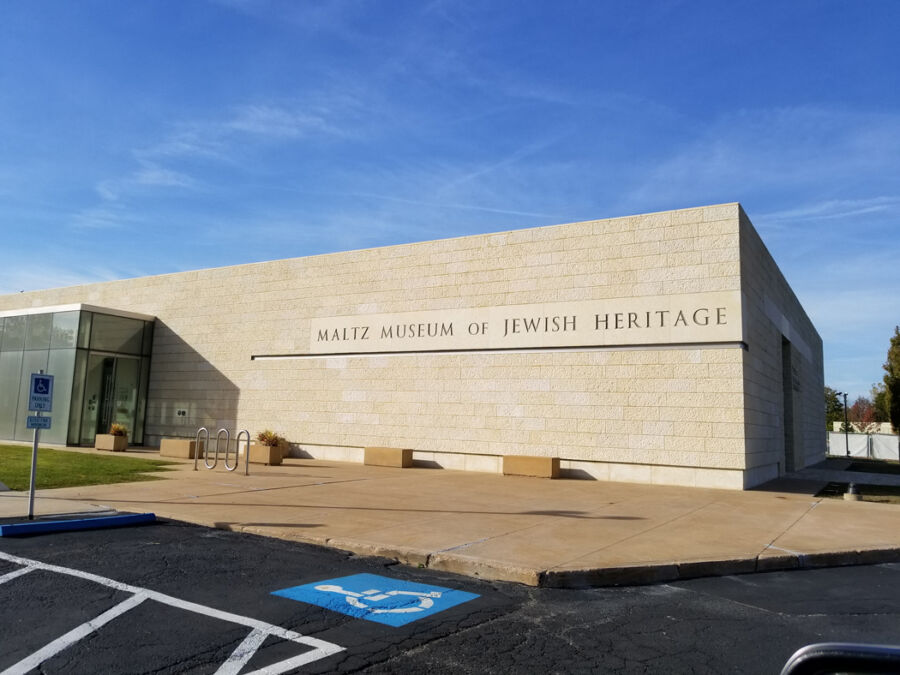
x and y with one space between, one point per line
18 529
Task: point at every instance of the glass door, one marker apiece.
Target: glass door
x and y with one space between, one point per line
107 386
127 373
110 395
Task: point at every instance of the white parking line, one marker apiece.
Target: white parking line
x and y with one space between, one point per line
260 630
242 654
9 576
52 649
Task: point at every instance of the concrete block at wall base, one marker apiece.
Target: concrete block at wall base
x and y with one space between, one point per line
178 447
396 457
265 454
526 465
110 442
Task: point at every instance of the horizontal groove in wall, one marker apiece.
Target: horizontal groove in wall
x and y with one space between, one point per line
605 348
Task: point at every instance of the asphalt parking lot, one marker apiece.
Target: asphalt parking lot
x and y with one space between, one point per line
178 598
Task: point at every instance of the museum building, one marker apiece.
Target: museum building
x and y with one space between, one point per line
661 348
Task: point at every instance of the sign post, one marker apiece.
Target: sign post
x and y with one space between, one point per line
40 399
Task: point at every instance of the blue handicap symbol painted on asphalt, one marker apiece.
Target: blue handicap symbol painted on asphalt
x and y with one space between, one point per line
393 602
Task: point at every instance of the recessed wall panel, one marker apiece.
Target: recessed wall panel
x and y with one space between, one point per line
10 372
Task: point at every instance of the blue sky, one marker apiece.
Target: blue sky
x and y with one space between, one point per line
148 137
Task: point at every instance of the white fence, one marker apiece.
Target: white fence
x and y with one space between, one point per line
873 446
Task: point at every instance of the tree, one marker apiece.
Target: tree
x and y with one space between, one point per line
892 380
862 415
881 401
834 409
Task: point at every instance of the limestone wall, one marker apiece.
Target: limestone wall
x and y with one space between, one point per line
649 413
783 368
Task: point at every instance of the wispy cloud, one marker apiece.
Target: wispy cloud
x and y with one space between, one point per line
108 216
847 314
833 208
446 205
189 140
17 276
527 150
820 150
148 175
333 18
159 177
171 162
278 122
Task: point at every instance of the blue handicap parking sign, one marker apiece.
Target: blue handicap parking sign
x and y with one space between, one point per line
393 602
41 394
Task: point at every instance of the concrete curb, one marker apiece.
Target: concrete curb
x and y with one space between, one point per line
637 574
634 575
75 524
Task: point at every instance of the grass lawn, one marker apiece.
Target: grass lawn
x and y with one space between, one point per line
60 468
887 494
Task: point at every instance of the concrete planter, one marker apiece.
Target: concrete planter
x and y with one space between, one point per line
178 447
110 442
265 454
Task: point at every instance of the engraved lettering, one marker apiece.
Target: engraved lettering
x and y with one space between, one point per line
416 330
534 326
537 324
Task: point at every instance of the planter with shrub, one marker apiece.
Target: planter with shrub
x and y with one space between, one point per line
115 441
267 449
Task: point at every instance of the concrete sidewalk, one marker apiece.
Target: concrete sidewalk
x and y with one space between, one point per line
533 531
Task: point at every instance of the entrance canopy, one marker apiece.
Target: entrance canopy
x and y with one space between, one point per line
100 359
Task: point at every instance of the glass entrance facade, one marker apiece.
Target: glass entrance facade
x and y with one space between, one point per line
100 361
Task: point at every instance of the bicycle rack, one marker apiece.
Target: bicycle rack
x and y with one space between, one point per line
237 445
227 443
197 446
203 432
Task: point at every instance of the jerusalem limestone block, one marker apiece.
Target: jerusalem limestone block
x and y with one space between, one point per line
178 447
396 457
525 465
110 442
265 454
